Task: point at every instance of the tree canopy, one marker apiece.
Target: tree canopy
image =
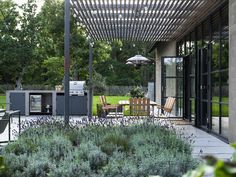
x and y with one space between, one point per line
32 49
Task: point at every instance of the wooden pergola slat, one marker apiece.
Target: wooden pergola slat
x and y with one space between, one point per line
141 20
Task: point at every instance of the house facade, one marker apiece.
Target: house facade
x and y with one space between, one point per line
199 70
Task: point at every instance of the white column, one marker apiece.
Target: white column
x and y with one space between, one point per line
163 49
232 70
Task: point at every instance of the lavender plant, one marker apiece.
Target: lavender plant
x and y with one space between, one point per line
99 147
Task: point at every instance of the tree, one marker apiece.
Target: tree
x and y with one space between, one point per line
8 41
54 70
27 39
117 72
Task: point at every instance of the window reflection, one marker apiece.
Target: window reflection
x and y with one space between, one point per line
215 89
215 111
173 82
215 42
206 32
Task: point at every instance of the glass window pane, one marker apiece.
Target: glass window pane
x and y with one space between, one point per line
192 91
193 43
179 108
170 67
180 48
224 120
225 39
215 79
183 48
173 67
170 87
179 82
188 45
192 108
204 91
179 67
215 42
225 86
206 32
204 61
215 117
224 54
199 37
193 57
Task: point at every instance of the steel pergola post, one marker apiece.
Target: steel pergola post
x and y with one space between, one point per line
67 61
90 106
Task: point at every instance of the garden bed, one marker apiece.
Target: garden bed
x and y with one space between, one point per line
139 150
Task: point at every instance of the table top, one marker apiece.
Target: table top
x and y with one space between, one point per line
126 102
2 110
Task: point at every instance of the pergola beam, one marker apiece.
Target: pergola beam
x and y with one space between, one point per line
140 20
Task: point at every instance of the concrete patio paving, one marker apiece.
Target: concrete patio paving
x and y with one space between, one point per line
206 144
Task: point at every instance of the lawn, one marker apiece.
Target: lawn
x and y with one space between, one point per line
110 99
2 101
216 107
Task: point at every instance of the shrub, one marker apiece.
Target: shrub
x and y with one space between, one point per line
50 149
99 84
137 92
97 159
100 112
115 141
3 167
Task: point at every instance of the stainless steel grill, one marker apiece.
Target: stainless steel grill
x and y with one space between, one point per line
77 88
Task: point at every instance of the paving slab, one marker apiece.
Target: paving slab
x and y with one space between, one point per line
205 143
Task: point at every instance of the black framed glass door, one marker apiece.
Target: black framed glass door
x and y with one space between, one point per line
187 88
204 78
172 82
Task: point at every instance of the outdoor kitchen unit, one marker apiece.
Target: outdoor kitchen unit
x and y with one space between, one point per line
49 102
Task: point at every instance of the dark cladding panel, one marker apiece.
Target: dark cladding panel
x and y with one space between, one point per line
17 101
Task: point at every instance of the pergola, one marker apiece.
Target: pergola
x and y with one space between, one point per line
133 20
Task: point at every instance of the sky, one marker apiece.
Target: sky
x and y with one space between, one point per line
39 2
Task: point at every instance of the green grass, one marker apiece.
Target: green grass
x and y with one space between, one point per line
2 101
216 107
110 99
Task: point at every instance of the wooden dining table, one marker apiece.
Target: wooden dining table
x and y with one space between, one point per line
124 103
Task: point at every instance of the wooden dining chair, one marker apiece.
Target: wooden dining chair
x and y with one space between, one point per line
139 106
107 107
167 108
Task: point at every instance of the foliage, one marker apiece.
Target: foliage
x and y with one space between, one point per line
100 112
31 39
54 67
99 84
137 92
215 166
115 66
3 168
48 148
8 41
